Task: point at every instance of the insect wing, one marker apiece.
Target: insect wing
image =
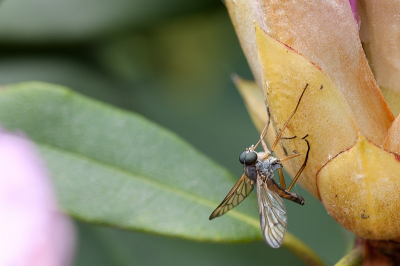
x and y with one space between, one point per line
238 193
273 218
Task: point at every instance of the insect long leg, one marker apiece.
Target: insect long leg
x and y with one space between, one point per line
287 122
302 167
290 156
263 133
282 178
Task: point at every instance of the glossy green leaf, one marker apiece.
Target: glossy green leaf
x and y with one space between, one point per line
117 168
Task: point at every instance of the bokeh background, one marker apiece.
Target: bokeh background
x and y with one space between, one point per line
170 61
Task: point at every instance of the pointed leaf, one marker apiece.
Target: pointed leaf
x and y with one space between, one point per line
330 41
116 168
392 141
243 13
380 27
360 189
323 113
333 43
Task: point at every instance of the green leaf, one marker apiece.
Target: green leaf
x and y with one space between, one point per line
117 168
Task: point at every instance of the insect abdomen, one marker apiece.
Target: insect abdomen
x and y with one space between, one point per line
284 193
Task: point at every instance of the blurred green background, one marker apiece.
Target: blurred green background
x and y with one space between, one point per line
170 61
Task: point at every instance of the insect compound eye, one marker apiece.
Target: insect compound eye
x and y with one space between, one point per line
248 157
242 157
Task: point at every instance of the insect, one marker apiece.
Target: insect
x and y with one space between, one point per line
259 168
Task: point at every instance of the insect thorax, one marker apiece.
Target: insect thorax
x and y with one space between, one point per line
268 166
265 168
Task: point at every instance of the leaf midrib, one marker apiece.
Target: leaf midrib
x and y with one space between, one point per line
235 214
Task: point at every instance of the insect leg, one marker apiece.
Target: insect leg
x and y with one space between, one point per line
263 133
290 156
282 178
302 167
287 122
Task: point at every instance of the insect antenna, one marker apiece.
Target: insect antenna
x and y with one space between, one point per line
287 122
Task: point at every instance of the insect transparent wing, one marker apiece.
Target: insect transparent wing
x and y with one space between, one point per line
238 193
273 217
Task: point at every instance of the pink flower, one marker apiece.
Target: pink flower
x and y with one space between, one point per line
33 231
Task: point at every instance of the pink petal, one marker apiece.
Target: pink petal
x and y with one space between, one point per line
353 4
33 231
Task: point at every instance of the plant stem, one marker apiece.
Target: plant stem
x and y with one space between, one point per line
353 258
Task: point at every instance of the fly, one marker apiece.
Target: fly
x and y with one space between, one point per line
259 168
